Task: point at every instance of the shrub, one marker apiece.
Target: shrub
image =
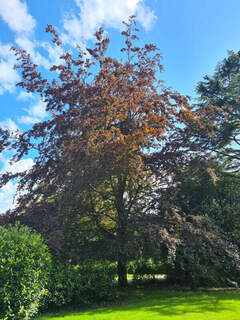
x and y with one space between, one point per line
61 285
24 265
94 283
207 258
81 284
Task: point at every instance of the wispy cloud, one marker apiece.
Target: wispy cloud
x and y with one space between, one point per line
35 113
95 13
24 96
10 125
21 165
8 76
15 14
31 45
8 192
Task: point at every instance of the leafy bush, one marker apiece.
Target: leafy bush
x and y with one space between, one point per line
206 259
24 265
61 285
94 283
85 284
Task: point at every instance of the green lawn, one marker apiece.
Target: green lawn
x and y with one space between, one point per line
144 304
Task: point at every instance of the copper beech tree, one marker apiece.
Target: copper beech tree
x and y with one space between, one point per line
113 138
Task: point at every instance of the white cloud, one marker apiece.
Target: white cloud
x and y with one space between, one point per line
54 53
24 96
95 13
9 124
8 76
35 113
38 110
145 16
30 46
21 165
27 120
8 192
24 42
15 14
5 52
78 29
21 22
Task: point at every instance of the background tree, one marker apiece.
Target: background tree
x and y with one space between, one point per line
206 197
208 189
222 89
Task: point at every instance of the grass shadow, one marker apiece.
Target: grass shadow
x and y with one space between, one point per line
160 304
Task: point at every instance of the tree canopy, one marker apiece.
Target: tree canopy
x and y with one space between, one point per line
222 89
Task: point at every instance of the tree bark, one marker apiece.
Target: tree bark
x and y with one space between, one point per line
121 233
122 271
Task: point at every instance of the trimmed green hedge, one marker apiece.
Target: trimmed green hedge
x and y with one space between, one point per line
80 285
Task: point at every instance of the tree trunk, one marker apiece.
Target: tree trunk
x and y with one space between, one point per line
121 233
122 271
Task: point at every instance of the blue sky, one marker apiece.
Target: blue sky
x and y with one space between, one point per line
193 35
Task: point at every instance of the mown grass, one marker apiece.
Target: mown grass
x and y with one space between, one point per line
153 304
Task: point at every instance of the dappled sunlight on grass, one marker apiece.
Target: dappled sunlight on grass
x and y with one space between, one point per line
164 305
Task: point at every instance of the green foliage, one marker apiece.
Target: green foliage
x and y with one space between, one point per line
94 283
222 89
207 189
209 196
145 268
24 265
60 286
205 256
198 272
81 285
